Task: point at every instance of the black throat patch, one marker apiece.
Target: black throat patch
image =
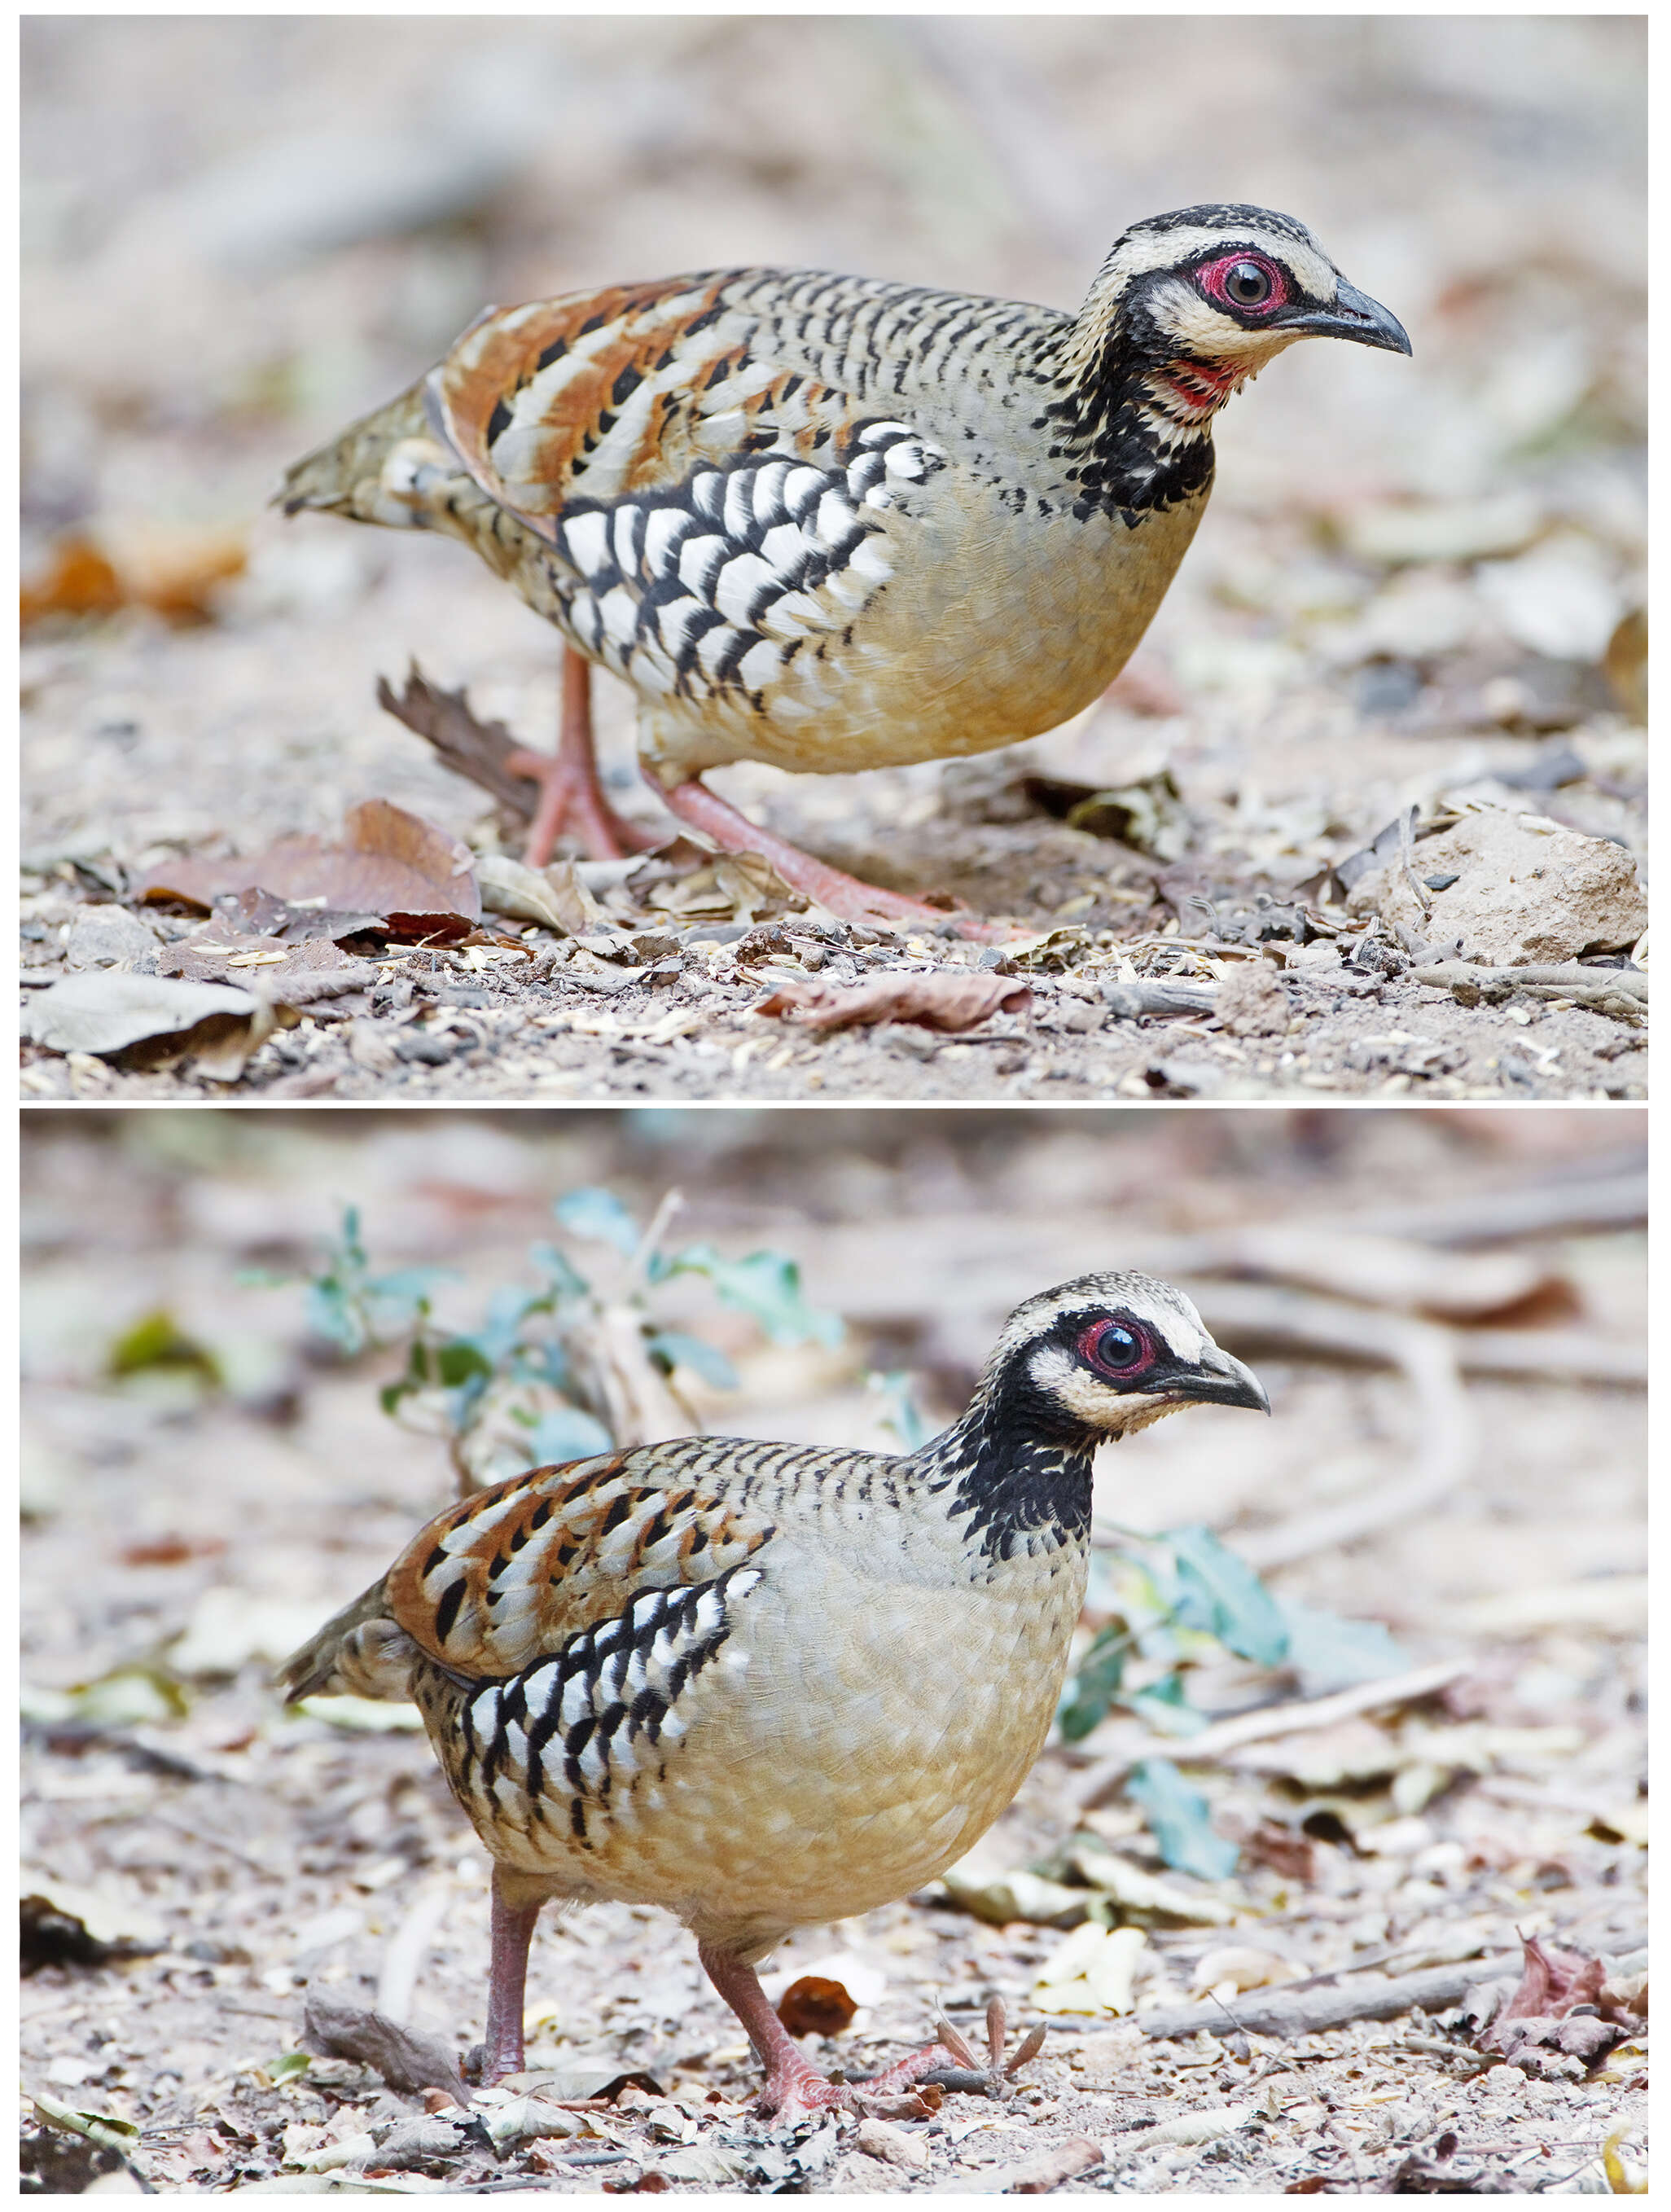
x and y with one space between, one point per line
1118 452
1017 1469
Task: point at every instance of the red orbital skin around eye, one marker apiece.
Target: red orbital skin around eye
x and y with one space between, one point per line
1086 1349
1214 273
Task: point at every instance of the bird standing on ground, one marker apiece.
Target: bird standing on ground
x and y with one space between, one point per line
834 522
761 1685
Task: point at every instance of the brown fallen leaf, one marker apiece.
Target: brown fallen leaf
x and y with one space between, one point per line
171 1550
469 746
155 1018
262 914
408 2061
173 569
684 878
941 1000
1037 2177
555 896
318 969
1288 1851
79 581
1562 2006
816 2005
391 864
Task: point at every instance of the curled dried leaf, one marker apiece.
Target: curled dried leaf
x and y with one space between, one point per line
816 2005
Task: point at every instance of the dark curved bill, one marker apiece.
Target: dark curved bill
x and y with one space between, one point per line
1216 1379
1354 315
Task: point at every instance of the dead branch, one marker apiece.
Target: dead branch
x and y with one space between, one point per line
1163 994
471 748
1398 1272
1567 1355
1571 1206
1300 1717
1621 991
1289 2013
407 1947
1445 1451
1033 2177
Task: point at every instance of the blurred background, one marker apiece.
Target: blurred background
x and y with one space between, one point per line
239 233
227 1436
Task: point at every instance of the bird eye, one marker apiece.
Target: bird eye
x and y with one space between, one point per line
1116 1348
1248 284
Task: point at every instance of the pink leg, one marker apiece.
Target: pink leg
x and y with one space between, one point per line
512 1930
793 2086
839 894
570 794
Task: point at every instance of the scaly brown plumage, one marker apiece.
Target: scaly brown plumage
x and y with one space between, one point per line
763 1685
833 523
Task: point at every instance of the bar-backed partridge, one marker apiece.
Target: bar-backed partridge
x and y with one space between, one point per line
761 1685
833 523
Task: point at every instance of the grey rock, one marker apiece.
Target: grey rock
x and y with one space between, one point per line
1525 890
110 937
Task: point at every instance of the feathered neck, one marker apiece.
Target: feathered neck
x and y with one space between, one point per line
1129 417
1017 1465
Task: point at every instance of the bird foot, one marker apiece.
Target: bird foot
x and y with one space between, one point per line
795 2091
906 2073
570 798
841 895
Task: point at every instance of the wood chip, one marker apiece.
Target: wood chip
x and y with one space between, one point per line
942 999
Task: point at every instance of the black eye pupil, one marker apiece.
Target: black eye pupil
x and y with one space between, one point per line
1247 283
1117 1347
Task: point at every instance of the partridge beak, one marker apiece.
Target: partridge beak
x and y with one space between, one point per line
1355 315
1218 1380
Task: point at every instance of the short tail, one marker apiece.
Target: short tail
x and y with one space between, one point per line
374 471
359 1653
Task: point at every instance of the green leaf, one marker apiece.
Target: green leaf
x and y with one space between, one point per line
1094 1687
567 1434
563 1279
1220 1592
331 1315
1165 1706
288 2067
1178 1821
1330 1653
674 1349
599 1215
545 1362
101 2128
408 1285
417 1378
767 1287
456 1362
901 1413
156 1339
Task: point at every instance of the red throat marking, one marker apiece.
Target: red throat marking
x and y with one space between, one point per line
1203 387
